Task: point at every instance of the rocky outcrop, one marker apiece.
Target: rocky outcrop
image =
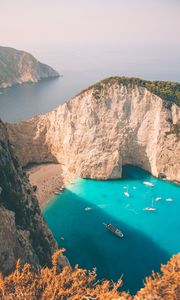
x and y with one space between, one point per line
23 232
17 67
103 128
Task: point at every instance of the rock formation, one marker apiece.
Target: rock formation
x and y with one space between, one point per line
17 67
23 232
103 128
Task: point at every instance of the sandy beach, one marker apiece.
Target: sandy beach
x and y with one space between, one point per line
48 178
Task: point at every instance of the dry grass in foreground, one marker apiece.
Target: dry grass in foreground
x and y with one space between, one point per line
79 284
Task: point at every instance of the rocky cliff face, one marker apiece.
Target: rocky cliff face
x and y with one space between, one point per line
23 232
102 129
17 67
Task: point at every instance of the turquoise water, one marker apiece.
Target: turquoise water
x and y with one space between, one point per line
150 237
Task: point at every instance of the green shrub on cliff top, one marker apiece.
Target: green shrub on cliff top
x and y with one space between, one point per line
167 90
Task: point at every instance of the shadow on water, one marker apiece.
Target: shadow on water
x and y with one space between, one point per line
90 244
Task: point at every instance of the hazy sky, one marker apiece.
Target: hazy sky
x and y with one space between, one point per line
39 22
142 29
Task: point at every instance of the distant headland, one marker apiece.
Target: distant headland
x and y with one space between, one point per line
17 67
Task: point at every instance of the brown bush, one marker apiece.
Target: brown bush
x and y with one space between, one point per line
79 284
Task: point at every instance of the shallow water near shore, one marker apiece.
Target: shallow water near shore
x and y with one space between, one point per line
150 237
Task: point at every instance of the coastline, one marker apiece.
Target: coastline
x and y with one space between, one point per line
48 178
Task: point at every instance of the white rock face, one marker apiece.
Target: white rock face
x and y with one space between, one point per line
98 131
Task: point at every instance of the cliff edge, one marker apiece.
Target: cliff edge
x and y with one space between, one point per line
112 123
23 232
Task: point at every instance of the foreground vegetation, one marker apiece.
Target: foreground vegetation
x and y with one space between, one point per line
79 284
167 90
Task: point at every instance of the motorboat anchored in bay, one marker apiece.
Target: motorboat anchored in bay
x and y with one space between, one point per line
150 208
114 230
126 194
148 183
57 193
88 208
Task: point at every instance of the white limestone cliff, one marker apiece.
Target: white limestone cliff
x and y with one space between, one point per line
100 130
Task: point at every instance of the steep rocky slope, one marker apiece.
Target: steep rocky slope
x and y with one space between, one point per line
108 125
23 232
17 67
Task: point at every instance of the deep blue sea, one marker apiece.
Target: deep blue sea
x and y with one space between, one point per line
150 237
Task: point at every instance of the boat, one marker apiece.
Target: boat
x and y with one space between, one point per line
169 199
150 208
114 230
57 193
126 194
148 183
158 198
88 208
